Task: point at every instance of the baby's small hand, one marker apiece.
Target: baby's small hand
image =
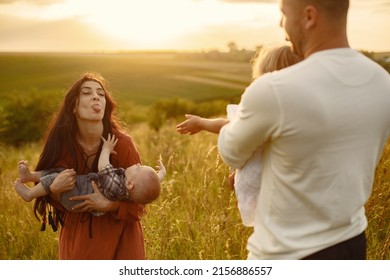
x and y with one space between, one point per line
161 171
160 166
110 143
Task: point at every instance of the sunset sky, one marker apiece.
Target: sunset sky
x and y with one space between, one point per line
98 25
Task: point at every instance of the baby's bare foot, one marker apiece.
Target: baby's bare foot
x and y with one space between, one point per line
24 171
22 190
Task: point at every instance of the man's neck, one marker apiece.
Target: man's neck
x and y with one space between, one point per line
312 50
332 38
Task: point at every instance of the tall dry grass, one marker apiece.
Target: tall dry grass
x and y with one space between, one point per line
378 211
196 216
20 238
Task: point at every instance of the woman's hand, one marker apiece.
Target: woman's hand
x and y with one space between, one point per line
65 181
94 202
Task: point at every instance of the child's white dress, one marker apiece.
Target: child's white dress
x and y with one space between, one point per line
247 181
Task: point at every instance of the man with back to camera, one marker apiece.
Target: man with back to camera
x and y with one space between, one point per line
324 123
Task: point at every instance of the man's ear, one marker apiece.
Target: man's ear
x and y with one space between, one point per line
310 16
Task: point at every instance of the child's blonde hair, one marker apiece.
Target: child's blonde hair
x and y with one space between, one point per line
272 59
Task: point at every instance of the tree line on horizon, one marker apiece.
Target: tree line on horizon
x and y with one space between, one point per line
16 127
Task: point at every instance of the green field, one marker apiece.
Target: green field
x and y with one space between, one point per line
140 78
196 216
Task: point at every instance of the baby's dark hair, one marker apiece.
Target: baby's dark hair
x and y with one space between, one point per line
147 189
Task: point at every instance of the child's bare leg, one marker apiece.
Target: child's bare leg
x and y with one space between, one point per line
25 174
27 193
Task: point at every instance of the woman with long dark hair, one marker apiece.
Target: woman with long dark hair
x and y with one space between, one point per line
74 142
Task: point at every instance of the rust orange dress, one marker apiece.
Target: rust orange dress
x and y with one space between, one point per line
113 236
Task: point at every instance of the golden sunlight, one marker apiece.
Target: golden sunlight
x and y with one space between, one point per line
147 24
90 25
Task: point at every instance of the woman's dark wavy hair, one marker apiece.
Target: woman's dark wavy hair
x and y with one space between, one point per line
61 136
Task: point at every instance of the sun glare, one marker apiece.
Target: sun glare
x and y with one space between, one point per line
152 24
145 23
165 24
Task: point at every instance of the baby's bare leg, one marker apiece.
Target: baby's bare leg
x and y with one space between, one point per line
27 193
25 174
